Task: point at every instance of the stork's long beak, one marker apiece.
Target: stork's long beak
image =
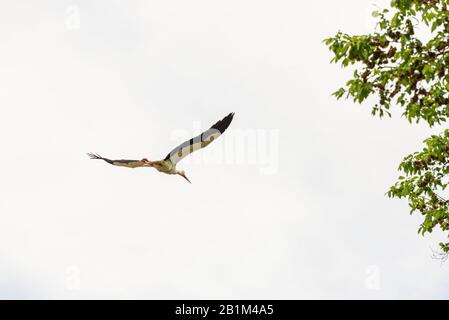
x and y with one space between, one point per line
184 176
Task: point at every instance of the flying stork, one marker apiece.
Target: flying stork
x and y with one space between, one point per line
168 164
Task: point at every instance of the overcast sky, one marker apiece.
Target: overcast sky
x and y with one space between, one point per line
289 203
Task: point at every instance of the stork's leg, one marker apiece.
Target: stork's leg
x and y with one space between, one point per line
155 163
149 163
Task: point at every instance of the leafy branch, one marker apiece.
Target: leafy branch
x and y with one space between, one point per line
405 71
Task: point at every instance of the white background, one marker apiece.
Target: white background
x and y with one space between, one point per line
119 78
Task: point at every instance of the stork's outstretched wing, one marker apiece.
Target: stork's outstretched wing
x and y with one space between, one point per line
122 163
200 141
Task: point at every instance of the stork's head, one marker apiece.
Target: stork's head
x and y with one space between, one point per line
146 161
182 173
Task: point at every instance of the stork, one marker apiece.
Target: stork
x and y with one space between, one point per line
168 164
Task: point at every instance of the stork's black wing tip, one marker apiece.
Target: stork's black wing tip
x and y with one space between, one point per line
94 155
224 123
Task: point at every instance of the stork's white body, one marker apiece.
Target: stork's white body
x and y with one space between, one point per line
164 166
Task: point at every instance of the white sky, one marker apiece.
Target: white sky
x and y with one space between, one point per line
132 76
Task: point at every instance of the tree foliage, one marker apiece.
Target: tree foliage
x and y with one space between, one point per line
409 72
